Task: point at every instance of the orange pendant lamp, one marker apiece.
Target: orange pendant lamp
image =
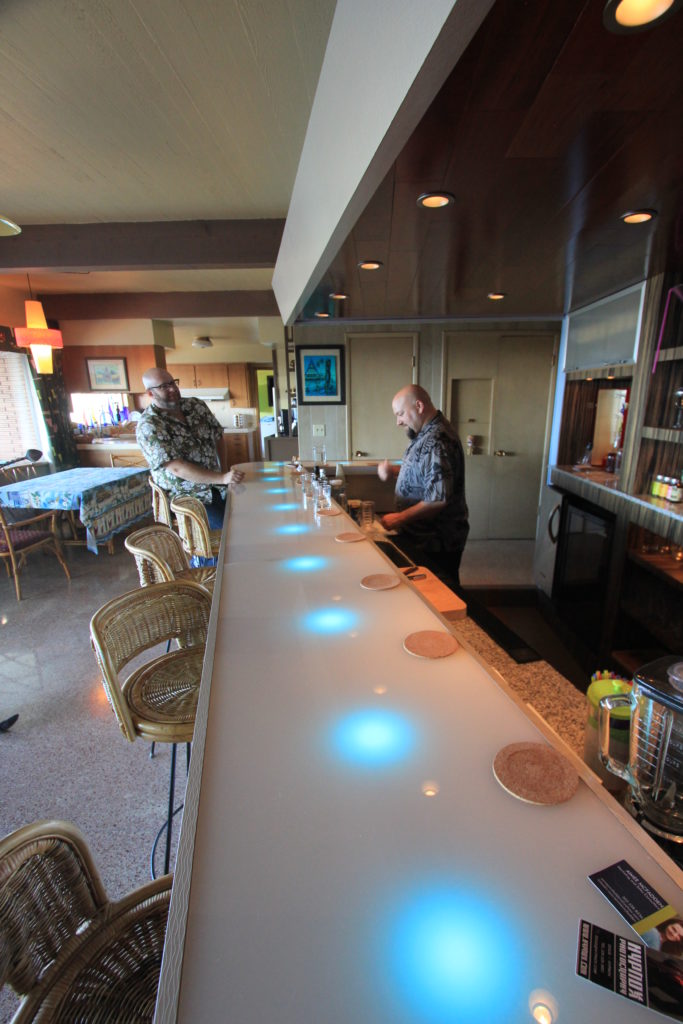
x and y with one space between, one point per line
37 335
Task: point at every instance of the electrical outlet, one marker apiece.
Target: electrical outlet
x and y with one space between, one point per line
318 430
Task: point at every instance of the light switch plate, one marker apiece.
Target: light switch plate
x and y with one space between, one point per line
318 430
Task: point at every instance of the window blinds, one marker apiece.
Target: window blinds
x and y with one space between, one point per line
19 424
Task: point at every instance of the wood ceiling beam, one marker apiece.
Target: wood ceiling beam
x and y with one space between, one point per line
158 305
158 245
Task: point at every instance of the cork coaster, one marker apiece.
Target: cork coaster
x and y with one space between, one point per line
536 773
329 512
380 581
349 538
430 643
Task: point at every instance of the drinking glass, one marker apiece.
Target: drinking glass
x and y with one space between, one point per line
367 514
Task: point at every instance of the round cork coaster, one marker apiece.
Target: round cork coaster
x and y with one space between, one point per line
536 773
349 538
430 643
329 512
380 581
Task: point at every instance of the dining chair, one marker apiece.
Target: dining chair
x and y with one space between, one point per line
161 508
128 460
34 533
160 557
66 949
155 700
199 540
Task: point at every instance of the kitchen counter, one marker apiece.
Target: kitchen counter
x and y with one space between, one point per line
314 857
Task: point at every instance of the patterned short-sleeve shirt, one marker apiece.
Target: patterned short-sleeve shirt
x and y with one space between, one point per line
163 438
433 469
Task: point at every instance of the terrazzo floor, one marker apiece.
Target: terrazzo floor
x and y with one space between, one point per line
66 758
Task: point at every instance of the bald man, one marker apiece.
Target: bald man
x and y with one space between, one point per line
178 437
431 512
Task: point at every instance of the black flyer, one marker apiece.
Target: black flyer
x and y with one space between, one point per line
627 968
651 917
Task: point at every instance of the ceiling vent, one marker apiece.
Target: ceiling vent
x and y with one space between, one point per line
202 343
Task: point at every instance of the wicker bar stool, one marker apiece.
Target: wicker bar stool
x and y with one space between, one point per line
160 557
157 701
161 510
199 540
70 952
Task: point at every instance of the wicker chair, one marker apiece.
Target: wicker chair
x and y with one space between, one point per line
128 460
156 701
160 557
70 952
17 540
199 540
160 506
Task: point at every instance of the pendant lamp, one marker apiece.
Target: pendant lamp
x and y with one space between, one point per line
37 335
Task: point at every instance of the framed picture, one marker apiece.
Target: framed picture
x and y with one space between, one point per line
320 375
107 374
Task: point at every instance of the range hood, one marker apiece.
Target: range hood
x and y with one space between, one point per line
206 394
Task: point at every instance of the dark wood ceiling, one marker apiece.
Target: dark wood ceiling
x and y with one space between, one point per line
546 131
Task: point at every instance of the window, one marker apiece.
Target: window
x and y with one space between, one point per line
21 420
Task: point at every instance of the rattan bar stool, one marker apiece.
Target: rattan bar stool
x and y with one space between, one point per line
161 510
160 557
70 952
199 540
157 701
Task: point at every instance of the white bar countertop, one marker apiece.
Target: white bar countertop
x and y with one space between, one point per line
315 882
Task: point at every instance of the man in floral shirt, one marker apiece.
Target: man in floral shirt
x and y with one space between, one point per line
178 437
432 516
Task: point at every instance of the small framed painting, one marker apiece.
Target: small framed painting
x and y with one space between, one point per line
320 375
107 374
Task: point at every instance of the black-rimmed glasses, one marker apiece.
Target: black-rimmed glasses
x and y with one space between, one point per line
169 384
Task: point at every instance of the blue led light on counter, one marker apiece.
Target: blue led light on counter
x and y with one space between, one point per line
305 563
451 954
277 490
288 528
330 620
373 737
285 506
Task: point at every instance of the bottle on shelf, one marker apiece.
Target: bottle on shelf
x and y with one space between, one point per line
675 493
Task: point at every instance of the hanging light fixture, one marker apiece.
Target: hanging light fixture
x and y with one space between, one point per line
37 335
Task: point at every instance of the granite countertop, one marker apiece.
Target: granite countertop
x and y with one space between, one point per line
537 683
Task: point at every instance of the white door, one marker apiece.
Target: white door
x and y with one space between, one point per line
379 366
499 392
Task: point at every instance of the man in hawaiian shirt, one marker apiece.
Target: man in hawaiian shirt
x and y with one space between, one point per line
178 437
431 517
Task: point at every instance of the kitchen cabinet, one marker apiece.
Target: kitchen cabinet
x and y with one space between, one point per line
238 382
234 448
606 332
201 375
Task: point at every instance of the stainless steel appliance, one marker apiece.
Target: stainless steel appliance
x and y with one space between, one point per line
654 769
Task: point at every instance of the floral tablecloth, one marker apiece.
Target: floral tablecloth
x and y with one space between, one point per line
107 500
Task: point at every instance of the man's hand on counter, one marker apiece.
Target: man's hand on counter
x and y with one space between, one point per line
233 476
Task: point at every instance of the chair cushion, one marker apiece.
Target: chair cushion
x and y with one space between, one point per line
162 695
24 538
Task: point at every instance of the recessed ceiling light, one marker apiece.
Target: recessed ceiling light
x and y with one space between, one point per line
338 295
638 216
8 227
496 296
322 314
624 16
434 200
370 264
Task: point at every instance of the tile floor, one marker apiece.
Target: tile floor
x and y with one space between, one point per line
65 757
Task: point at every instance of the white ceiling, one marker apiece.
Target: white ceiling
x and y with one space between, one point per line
153 110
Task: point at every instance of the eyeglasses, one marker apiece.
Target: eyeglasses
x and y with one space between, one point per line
169 384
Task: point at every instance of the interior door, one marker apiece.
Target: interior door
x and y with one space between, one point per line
379 366
500 394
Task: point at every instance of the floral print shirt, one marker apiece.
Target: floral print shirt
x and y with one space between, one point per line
163 438
433 469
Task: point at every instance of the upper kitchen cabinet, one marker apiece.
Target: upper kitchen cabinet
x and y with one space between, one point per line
606 332
201 375
238 383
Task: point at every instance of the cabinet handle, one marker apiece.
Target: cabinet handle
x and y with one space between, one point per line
554 534
361 455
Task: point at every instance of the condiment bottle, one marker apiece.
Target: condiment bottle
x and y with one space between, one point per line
675 490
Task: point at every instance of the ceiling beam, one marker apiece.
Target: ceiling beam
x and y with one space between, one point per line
158 305
158 245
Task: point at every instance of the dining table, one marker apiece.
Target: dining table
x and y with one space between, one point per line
107 500
352 846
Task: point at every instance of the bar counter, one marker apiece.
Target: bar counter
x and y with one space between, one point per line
317 879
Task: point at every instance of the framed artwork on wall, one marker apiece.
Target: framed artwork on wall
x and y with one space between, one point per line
320 375
107 374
